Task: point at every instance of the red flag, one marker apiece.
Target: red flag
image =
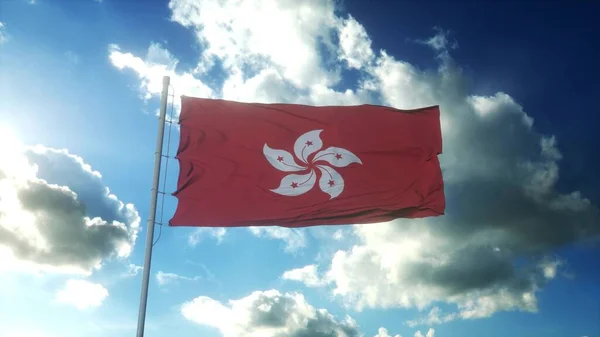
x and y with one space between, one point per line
244 164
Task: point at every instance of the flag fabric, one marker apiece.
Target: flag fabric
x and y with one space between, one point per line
247 164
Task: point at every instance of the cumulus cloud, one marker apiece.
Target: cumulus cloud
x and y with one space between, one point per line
283 52
355 44
259 40
430 333
57 214
383 332
294 239
272 314
504 211
268 314
82 294
503 205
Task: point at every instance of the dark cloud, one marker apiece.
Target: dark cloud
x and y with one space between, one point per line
323 325
505 215
65 216
269 314
61 168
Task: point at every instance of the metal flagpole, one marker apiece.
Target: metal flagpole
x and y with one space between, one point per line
153 200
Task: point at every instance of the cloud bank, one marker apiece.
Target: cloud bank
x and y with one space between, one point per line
505 214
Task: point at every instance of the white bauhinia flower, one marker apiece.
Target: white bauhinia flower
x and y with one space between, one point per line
330 181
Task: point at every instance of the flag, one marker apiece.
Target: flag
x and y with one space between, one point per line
248 164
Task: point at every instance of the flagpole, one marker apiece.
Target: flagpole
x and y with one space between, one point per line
152 217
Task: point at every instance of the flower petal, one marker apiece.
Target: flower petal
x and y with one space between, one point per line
337 157
308 144
281 160
331 182
296 184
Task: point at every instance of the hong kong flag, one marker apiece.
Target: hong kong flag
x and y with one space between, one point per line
244 164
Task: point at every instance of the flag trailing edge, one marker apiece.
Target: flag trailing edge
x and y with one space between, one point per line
291 165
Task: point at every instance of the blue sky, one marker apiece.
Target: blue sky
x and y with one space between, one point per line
515 254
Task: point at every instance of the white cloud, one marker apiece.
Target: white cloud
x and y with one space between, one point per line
383 332
267 314
500 173
57 214
241 40
338 235
550 268
166 278
272 314
134 270
402 85
307 275
150 70
435 316
196 236
256 68
355 44
430 333
82 294
440 41
294 239
502 204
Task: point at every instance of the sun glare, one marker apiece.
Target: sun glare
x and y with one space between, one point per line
8 137
13 163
